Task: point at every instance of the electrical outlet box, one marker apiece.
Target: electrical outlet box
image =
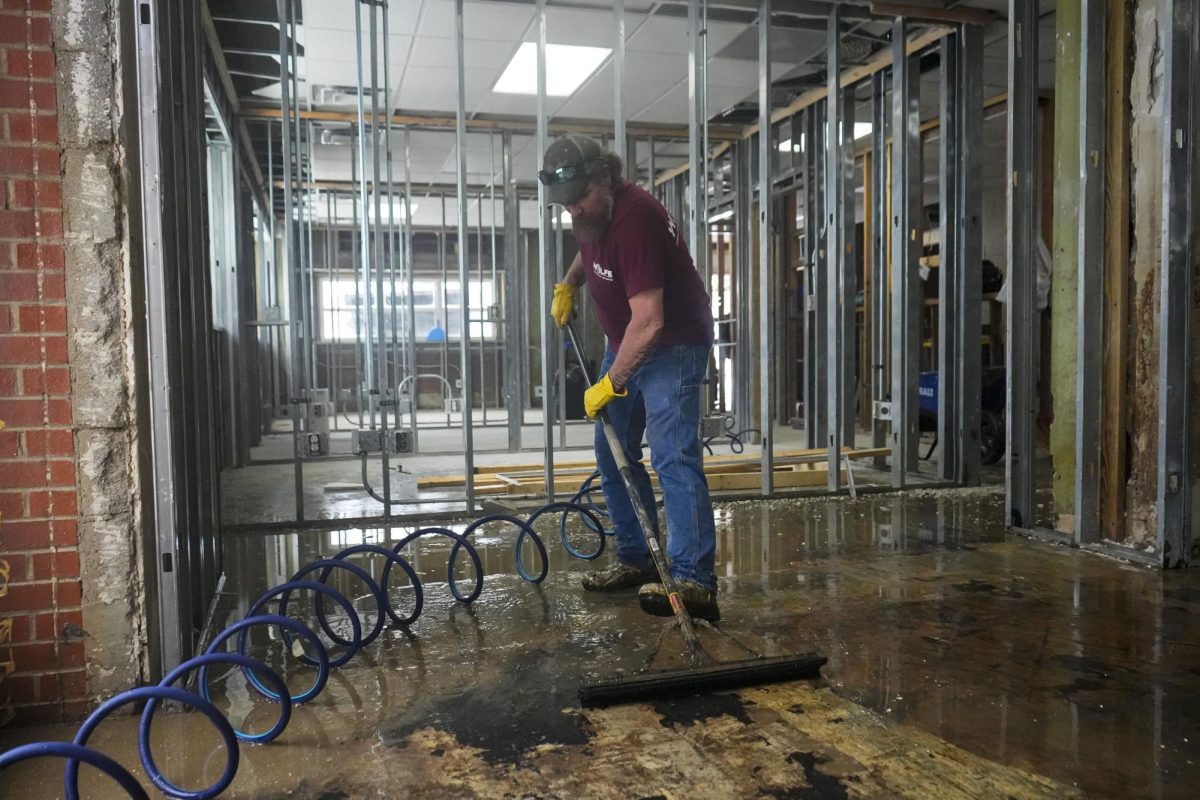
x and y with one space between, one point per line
711 427
316 445
401 440
366 441
454 405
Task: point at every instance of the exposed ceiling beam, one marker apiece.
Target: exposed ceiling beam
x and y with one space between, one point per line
969 16
250 11
718 9
817 9
516 125
853 75
529 188
847 78
247 148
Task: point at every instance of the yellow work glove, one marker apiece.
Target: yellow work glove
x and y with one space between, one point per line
599 394
563 303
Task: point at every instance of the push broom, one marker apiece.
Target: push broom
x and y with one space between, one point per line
705 674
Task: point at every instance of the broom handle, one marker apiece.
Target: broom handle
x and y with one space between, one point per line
660 561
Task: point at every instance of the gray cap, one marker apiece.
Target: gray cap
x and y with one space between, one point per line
568 164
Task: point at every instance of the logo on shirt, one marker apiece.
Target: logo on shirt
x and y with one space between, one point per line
605 274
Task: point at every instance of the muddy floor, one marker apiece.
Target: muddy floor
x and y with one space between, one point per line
963 663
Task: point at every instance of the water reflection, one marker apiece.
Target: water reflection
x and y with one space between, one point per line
1065 664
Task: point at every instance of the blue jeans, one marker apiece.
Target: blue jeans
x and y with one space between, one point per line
663 403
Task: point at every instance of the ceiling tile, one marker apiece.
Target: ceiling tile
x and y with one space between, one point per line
478 53
335 45
661 35
640 64
730 72
671 108
402 15
436 89
437 19
497 21
572 26
335 73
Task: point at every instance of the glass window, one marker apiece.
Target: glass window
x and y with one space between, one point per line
343 307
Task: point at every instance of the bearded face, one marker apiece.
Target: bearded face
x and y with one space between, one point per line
591 217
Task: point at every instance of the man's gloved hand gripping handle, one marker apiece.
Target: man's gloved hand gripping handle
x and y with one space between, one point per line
600 394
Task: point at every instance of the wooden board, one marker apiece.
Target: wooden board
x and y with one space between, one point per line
723 472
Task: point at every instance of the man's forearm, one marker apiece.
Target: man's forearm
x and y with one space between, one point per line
575 275
637 343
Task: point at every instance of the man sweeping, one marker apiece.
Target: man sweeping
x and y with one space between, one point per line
656 315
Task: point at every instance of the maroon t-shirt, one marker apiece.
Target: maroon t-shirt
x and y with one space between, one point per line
642 250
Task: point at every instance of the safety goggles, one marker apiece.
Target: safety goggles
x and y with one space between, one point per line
566 173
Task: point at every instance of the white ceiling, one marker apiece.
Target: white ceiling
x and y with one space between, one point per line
422 64
423 72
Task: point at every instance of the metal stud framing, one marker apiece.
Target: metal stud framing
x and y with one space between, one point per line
880 386
906 248
381 389
950 269
959 273
766 281
514 332
834 346
411 343
969 252
620 141
847 274
291 255
158 342
697 176
1020 354
816 405
183 556
1090 311
812 227
464 342
544 258
1178 21
743 205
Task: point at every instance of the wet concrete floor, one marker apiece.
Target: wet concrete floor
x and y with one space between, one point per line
963 663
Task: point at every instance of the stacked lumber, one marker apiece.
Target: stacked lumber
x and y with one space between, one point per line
792 469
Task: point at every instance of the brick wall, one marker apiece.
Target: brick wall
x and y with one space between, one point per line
41 642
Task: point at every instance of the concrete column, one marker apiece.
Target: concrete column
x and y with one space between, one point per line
98 283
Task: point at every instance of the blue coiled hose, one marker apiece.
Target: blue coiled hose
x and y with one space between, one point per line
206 708
584 498
76 753
450 579
268 683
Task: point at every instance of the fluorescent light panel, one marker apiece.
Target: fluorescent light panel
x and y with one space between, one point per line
567 66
